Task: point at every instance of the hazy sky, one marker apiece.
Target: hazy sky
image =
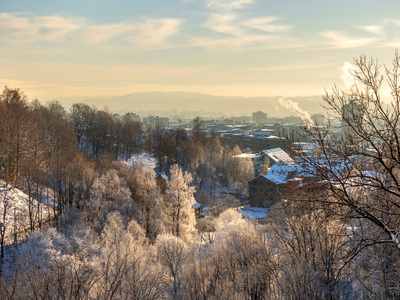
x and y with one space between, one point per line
64 48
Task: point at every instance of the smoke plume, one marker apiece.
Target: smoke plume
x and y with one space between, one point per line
347 70
294 106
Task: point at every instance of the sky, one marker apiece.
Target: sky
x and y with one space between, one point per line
55 49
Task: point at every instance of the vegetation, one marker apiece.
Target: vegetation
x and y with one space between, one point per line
116 233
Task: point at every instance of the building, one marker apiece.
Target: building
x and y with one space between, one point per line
257 160
277 156
154 122
259 117
161 180
302 198
256 143
135 117
352 115
318 119
266 190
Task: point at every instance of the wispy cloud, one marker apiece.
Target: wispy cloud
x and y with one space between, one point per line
291 67
227 4
30 28
250 42
264 24
150 32
373 29
395 22
341 40
155 31
224 23
243 33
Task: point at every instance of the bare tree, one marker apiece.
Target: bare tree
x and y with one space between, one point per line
361 167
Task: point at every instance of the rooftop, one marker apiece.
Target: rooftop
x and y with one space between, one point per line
279 156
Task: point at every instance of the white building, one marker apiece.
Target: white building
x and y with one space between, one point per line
352 114
154 122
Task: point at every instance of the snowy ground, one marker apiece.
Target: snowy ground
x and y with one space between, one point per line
14 210
141 158
253 212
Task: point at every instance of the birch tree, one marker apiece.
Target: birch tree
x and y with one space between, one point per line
180 199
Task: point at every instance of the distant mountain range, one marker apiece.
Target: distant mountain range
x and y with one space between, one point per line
196 102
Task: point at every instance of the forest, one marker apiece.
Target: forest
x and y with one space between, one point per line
101 228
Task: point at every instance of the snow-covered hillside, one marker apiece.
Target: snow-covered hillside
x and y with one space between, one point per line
17 213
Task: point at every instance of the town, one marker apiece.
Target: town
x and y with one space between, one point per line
199 150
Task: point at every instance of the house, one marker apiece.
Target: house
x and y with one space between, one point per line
266 190
197 210
277 156
304 198
161 180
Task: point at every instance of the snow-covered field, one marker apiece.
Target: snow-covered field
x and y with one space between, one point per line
14 212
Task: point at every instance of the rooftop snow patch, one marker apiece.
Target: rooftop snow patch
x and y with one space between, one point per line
278 156
279 173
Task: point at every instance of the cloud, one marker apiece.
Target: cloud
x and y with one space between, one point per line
233 24
227 4
32 28
264 24
341 40
155 31
250 41
395 22
373 29
291 67
244 33
150 32
224 23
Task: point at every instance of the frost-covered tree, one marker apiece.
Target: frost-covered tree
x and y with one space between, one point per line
236 265
240 169
109 193
149 203
171 253
180 219
52 266
121 251
312 258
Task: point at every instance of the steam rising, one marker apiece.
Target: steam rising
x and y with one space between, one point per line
294 106
347 70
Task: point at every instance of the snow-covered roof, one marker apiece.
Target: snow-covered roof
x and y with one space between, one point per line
277 155
196 205
248 155
162 174
279 173
306 146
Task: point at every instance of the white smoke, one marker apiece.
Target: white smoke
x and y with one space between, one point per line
347 70
294 106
